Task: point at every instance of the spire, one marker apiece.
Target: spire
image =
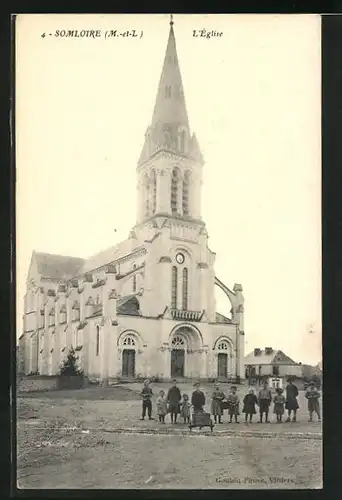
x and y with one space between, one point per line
169 129
170 102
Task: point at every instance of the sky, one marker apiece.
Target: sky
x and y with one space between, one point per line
253 100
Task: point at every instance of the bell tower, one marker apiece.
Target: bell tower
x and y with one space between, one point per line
169 170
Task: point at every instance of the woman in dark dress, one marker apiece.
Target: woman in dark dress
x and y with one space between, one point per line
249 402
291 404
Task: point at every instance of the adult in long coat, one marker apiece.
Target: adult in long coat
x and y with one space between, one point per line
173 398
216 400
197 398
291 400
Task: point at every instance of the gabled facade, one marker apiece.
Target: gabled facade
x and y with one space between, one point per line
272 363
145 307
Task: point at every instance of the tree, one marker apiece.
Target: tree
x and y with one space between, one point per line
69 366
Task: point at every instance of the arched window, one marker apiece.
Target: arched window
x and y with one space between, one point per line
178 342
97 340
174 288
75 339
129 341
76 311
223 346
42 318
147 196
181 141
153 192
63 314
52 317
168 91
185 197
174 191
134 280
185 289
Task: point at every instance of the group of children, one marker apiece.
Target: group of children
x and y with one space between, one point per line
176 404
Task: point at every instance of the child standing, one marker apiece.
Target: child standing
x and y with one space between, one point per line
264 401
216 400
249 402
185 409
234 403
146 396
313 395
161 406
279 404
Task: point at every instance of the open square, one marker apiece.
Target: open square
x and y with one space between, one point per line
93 438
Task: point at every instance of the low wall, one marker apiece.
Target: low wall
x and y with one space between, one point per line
36 383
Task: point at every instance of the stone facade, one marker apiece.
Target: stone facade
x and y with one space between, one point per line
146 307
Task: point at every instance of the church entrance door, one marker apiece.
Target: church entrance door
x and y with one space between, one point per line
128 363
177 363
222 362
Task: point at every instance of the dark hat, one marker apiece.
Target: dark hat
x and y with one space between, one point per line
196 384
233 387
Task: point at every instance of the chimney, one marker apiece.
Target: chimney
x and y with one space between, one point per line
257 352
268 351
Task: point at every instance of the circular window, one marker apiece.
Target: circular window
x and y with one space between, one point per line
180 258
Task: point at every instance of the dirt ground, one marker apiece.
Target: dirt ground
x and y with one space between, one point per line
64 441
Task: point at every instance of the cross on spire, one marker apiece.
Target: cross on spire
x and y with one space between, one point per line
171 19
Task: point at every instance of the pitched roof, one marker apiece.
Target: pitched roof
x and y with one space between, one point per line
57 266
220 318
276 356
128 305
107 256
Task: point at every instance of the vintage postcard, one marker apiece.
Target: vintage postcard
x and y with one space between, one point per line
168 251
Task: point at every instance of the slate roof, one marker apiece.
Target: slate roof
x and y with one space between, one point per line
109 255
276 357
128 305
57 266
220 318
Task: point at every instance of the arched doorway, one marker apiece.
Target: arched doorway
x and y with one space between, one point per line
185 344
178 347
223 348
128 357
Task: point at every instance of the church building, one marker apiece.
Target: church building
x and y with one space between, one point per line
145 307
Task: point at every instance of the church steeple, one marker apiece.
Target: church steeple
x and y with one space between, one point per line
170 165
170 105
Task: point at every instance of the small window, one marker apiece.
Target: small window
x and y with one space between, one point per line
275 371
178 342
129 340
223 346
168 91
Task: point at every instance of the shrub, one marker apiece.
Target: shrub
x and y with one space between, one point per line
69 366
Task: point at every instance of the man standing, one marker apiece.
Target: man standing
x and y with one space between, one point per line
146 396
291 400
198 398
173 398
264 401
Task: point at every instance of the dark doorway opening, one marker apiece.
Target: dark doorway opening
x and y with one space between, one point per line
177 363
222 365
128 363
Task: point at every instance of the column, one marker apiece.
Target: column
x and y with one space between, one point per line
180 194
119 362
